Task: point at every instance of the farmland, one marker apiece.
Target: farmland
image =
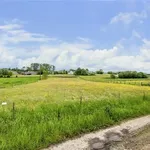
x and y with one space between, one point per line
10 82
61 107
106 78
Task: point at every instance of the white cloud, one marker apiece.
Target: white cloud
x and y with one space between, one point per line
14 33
10 27
72 56
6 59
66 55
83 39
129 17
146 42
69 56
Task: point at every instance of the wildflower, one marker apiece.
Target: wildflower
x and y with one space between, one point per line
4 103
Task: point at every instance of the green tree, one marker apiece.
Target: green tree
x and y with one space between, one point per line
5 73
100 71
132 74
110 72
112 76
45 74
35 66
80 71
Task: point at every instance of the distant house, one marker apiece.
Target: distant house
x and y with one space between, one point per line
71 72
26 73
15 72
29 73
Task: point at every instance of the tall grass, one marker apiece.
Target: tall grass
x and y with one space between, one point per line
56 109
106 79
10 82
46 124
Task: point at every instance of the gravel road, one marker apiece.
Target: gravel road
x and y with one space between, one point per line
138 141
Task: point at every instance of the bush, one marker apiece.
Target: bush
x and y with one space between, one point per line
5 73
45 75
132 74
61 72
110 72
80 71
91 73
112 76
100 71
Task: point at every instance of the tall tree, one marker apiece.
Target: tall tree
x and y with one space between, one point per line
35 66
47 67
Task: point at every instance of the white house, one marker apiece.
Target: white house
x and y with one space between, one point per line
71 72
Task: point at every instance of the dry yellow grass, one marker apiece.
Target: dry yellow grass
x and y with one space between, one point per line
67 89
50 111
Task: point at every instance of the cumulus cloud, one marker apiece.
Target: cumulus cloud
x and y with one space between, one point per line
6 59
128 17
14 33
73 56
66 55
10 27
69 56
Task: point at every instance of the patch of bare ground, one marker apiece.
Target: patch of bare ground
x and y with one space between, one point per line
139 140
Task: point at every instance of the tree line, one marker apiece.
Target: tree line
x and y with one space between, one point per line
128 74
132 74
46 69
5 73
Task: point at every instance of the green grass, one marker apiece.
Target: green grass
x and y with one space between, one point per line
10 82
106 78
56 109
62 76
49 124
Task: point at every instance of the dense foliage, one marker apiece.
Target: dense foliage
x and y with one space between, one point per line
100 71
112 76
5 73
132 74
83 72
110 72
35 67
42 67
61 72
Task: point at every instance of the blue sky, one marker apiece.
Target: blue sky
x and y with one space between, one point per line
112 35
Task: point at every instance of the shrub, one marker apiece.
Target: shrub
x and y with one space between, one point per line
5 73
112 76
80 71
100 71
110 72
132 74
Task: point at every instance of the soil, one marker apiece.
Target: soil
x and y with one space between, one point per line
137 141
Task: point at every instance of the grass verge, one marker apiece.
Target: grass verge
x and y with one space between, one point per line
30 129
10 82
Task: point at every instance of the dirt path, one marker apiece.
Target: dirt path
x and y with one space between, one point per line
136 141
121 137
140 142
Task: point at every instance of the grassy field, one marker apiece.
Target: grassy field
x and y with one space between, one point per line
53 110
10 82
106 78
